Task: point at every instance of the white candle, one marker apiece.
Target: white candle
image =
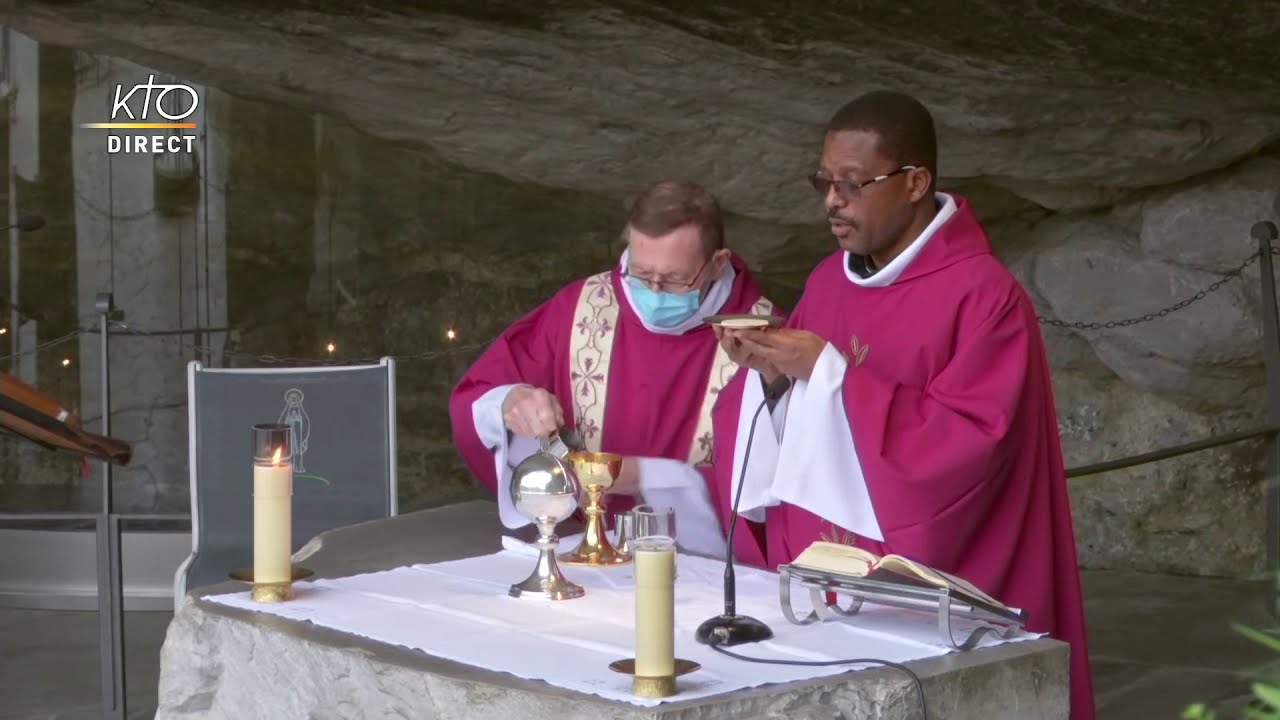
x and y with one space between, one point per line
272 520
655 567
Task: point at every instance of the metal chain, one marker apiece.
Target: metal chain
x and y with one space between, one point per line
263 359
462 349
45 345
278 360
1229 276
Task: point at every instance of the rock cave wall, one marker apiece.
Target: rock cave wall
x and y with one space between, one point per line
1118 159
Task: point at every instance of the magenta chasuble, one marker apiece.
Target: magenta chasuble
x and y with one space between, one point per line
626 389
947 396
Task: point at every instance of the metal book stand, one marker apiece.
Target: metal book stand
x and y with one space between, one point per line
860 589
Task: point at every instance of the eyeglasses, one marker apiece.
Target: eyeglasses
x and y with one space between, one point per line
848 189
664 285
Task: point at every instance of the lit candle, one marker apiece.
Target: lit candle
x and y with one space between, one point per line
655 568
272 505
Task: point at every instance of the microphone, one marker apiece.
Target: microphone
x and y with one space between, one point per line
26 223
730 628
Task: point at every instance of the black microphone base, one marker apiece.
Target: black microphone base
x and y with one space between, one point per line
732 630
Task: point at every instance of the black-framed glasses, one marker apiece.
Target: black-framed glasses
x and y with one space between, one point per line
664 285
848 189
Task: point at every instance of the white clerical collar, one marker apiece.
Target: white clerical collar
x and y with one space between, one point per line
711 304
889 273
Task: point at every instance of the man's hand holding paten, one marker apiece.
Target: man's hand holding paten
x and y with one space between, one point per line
742 355
785 351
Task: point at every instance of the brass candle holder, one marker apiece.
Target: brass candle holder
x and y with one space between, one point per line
654 687
597 473
272 592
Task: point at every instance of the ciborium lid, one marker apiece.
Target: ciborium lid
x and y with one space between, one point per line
544 486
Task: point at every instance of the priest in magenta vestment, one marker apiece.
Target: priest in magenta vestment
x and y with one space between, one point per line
920 418
625 358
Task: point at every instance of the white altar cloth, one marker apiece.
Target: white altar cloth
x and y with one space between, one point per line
460 611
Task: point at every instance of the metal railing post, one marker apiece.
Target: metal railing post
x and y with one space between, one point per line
1265 234
110 582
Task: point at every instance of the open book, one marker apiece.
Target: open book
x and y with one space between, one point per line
841 559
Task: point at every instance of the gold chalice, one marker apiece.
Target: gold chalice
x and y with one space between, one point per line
596 472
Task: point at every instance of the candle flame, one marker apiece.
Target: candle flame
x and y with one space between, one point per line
452 334
275 459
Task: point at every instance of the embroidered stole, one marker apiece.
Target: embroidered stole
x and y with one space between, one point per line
590 349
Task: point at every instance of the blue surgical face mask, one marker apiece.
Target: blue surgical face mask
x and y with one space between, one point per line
663 309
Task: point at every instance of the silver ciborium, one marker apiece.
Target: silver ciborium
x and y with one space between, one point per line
544 489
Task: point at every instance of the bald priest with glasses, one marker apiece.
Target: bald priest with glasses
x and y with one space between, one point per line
624 358
919 416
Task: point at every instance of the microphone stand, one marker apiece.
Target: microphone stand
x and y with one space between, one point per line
730 628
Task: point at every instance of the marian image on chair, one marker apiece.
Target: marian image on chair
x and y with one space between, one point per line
343 454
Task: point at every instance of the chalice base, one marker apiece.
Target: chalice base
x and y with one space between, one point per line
553 588
602 554
595 549
546 580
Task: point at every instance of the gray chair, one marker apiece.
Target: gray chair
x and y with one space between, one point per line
344 456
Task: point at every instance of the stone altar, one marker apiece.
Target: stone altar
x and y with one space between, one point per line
219 662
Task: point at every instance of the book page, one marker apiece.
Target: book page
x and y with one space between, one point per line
937 577
836 558
854 561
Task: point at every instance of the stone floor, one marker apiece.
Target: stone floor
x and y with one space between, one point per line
1158 643
49 664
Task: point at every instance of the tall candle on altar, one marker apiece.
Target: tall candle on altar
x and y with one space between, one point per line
654 558
272 503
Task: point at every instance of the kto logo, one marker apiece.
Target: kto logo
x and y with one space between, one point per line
174 103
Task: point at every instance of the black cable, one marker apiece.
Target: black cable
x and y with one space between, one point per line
772 395
915 679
